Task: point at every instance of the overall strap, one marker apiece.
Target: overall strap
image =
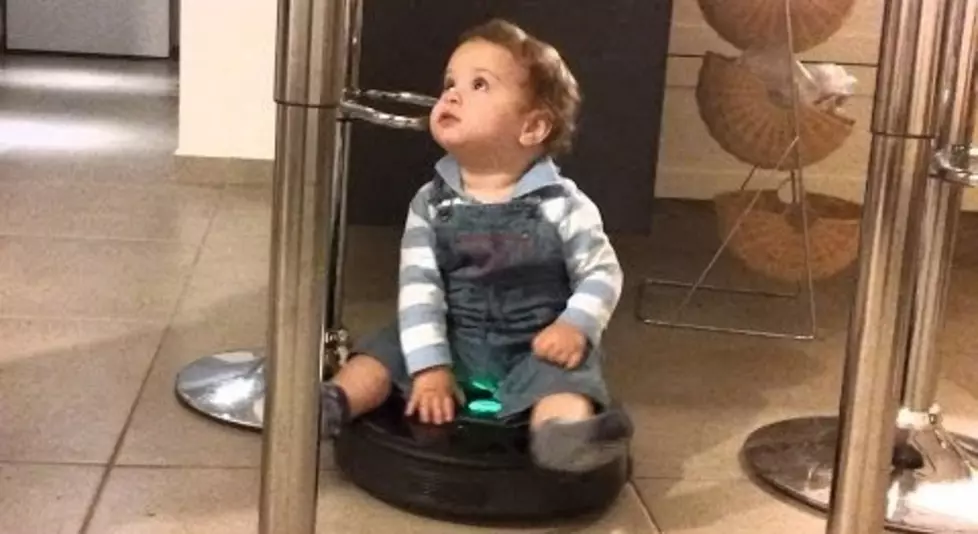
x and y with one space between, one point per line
441 194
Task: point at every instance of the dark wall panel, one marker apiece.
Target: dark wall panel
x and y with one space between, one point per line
616 48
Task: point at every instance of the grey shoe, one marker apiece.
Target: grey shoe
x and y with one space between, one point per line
584 445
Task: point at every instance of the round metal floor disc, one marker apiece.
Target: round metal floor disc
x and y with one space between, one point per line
228 387
796 457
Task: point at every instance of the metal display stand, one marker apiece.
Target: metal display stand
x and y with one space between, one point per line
867 471
317 93
231 386
796 180
808 289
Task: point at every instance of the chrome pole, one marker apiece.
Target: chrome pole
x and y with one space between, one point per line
955 113
865 470
335 336
311 70
934 482
903 135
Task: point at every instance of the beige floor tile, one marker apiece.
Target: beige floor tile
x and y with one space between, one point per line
95 126
697 397
244 210
165 432
205 170
159 167
371 262
956 342
92 278
194 501
230 268
236 262
67 387
94 209
224 308
230 280
723 507
147 169
45 499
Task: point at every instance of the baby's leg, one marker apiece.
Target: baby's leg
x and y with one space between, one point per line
360 386
364 382
567 435
566 407
574 424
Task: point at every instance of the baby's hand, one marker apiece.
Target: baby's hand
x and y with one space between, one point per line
433 396
561 344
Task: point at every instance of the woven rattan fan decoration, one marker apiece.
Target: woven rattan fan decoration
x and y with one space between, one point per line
770 239
761 23
743 118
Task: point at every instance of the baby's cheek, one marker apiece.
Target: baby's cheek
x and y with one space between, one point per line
491 125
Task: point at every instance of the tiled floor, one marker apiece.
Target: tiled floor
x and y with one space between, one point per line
119 264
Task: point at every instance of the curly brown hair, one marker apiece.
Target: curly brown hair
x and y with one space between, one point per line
551 82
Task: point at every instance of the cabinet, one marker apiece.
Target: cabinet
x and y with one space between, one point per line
112 27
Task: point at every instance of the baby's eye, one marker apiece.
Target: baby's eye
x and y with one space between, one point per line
480 84
448 84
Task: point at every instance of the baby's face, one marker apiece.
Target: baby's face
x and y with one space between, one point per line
484 105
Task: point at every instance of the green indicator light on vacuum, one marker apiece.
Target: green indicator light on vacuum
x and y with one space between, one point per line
482 385
485 407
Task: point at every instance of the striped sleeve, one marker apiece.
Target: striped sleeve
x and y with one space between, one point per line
421 296
592 263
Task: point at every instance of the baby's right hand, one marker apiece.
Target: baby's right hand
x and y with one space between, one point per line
433 396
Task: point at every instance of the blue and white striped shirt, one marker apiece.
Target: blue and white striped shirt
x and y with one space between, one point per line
592 264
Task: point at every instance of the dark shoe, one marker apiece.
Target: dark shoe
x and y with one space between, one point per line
335 409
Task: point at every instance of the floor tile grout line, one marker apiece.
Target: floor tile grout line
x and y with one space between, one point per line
199 467
644 507
694 478
118 239
109 183
49 463
175 467
117 448
96 238
80 319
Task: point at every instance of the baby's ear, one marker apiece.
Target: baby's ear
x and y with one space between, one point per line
536 128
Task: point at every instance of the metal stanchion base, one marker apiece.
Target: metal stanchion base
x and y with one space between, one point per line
228 387
933 486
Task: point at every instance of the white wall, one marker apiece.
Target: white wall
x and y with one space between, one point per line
226 106
227 66
692 165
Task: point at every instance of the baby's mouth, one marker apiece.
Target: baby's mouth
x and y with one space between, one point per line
447 118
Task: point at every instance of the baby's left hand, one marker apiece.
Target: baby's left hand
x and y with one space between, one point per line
561 344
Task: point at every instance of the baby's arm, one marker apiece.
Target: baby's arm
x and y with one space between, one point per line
421 295
592 263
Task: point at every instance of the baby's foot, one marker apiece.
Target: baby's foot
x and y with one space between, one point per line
582 445
335 409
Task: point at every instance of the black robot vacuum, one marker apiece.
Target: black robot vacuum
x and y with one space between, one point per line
477 468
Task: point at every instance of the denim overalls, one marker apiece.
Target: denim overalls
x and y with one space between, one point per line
505 280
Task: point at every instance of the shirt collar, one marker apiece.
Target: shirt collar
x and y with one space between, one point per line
544 172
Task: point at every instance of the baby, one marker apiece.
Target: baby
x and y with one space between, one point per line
506 275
